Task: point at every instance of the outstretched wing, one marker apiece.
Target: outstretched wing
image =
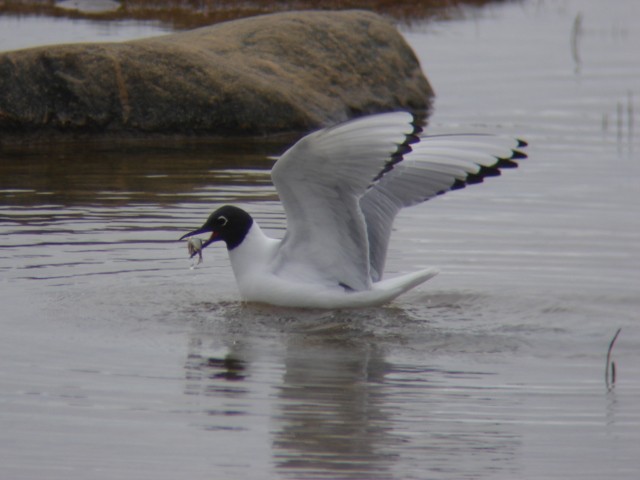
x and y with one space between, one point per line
320 181
435 165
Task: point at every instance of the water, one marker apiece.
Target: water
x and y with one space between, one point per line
118 361
17 32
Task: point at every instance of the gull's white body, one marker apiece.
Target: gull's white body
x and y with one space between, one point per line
253 267
341 188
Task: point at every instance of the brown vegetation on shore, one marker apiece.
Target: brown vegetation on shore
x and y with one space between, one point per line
193 13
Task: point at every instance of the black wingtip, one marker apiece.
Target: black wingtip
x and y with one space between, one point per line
494 170
402 150
457 185
518 155
506 163
484 172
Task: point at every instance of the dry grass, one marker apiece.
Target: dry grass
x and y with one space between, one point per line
193 13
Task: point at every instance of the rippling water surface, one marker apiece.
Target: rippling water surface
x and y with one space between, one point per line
119 361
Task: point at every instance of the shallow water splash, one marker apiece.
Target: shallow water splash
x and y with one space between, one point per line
118 361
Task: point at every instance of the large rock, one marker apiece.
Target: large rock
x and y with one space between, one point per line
257 76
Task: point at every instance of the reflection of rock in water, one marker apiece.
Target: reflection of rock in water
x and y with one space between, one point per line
332 415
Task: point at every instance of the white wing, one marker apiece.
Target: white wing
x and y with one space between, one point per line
435 165
320 181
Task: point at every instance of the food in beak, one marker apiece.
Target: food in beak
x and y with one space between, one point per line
194 246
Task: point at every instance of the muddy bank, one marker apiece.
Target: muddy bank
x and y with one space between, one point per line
258 76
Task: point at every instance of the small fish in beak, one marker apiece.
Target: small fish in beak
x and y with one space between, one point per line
194 246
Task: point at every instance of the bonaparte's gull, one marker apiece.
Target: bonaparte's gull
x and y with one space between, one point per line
341 188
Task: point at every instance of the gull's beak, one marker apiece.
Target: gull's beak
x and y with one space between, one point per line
204 229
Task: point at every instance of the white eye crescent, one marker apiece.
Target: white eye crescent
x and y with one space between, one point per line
222 220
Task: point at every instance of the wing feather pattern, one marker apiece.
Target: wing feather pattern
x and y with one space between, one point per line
435 165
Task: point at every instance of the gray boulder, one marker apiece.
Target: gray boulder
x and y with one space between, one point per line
286 72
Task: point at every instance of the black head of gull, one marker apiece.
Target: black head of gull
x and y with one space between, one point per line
228 223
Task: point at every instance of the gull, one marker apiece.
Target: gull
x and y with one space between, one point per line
341 188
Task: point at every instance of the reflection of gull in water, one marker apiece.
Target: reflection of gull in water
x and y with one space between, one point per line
349 394
332 418
341 188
